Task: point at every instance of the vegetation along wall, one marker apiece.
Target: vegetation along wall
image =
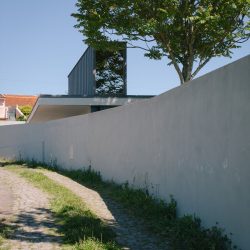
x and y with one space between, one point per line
192 142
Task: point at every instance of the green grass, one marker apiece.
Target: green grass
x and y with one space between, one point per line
181 232
80 228
161 218
5 231
94 244
155 212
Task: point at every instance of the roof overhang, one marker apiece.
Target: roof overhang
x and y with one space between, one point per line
56 107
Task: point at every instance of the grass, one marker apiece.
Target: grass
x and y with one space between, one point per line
138 202
181 232
94 244
5 232
80 228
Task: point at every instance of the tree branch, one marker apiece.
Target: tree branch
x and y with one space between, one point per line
177 68
137 47
201 65
171 55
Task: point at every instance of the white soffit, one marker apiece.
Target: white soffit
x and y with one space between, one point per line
52 108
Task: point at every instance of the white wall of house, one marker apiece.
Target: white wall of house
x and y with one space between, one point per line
3 109
192 142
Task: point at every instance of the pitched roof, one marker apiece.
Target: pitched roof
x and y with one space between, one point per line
20 100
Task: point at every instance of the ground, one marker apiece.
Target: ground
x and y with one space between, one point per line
26 208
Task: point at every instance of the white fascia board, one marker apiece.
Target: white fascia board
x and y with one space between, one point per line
95 101
86 101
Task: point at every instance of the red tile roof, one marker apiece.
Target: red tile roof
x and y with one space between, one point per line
20 100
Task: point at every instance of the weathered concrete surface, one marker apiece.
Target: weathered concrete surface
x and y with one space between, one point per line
192 142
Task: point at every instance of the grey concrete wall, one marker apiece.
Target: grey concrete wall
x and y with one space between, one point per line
192 142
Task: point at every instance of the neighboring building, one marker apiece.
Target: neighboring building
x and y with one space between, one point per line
3 108
9 105
97 82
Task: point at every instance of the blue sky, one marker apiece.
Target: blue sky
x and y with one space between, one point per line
39 46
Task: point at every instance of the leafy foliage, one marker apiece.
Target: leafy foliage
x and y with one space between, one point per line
22 118
26 110
188 32
110 72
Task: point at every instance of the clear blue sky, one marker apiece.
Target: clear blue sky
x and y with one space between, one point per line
39 46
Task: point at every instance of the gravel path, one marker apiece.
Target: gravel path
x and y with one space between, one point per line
130 231
28 209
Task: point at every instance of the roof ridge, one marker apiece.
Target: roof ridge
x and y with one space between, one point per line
19 95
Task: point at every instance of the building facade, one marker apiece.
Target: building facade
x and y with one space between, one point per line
97 82
9 105
99 73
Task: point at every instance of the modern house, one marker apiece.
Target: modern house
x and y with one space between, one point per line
97 82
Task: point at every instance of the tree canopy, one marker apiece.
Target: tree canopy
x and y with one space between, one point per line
188 32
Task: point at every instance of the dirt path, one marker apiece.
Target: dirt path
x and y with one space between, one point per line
130 231
35 228
6 200
28 209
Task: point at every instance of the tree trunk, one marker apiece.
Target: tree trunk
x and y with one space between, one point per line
186 73
187 70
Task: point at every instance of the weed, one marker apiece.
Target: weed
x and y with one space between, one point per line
185 233
5 232
94 244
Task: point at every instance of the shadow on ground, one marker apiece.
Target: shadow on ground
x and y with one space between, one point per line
130 232
26 228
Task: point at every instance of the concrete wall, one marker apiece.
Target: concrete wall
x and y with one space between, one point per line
192 142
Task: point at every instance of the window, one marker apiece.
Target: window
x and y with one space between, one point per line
110 75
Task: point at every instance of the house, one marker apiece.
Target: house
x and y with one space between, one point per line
3 108
97 82
9 105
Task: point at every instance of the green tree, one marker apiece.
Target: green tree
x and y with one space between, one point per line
188 32
26 110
